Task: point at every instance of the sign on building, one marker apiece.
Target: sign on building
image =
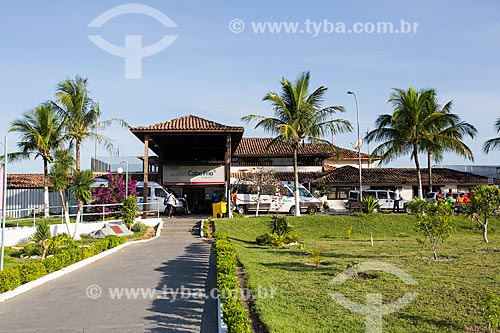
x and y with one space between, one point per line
193 175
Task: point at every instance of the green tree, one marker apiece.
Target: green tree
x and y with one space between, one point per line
81 115
40 135
484 205
448 136
434 221
61 175
416 127
81 191
495 142
42 237
298 116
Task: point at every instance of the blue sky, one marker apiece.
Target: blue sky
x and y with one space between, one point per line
211 72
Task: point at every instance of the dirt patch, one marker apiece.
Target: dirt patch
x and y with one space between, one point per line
256 324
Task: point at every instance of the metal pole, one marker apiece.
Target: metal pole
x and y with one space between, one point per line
126 178
4 201
358 144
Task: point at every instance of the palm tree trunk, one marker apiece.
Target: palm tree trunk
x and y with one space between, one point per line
65 210
429 162
78 147
78 215
296 180
46 188
419 175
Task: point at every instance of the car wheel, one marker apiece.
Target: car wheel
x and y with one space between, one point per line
312 209
241 209
292 210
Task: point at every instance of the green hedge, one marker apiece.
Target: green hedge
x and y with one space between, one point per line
13 278
234 314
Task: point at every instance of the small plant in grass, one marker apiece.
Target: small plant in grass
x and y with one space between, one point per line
42 237
326 206
434 221
349 232
280 225
316 256
369 204
491 312
129 211
138 227
280 233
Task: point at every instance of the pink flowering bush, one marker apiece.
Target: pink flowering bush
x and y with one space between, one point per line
113 193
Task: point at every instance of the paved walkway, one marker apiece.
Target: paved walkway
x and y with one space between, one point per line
160 267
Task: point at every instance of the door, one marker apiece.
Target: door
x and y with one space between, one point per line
385 201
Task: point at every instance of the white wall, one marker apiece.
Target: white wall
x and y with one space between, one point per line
19 235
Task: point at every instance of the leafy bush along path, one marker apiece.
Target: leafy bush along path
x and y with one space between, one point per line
451 293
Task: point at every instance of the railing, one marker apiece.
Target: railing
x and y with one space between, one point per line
90 213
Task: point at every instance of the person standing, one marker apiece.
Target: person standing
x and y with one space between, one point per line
397 198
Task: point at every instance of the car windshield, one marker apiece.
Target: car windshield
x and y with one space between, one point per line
430 195
304 193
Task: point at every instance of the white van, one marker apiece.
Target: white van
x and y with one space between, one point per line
156 198
246 200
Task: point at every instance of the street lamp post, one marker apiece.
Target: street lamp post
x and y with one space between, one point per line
4 201
120 170
358 145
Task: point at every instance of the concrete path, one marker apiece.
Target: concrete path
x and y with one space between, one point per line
166 279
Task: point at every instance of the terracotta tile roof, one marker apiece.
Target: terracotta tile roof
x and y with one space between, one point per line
304 177
31 180
188 123
399 176
252 147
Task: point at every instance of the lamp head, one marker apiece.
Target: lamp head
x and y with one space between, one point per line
350 93
119 170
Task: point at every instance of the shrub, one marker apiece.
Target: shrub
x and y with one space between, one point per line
491 312
279 225
292 237
276 241
262 239
31 271
31 249
369 204
129 211
138 227
59 243
234 314
9 279
316 256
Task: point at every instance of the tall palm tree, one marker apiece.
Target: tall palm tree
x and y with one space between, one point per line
448 136
40 133
81 191
81 115
412 129
495 142
298 116
61 175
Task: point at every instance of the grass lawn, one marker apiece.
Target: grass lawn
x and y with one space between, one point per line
451 292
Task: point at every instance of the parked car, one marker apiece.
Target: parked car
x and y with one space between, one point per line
271 202
385 199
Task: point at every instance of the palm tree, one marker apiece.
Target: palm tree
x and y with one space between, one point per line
81 115
81 191
495 142
61 175
298 116
42 237
448 137
41 134
413 129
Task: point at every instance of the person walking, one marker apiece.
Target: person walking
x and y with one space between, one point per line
171 200
397 198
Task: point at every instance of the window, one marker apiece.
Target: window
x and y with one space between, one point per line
339 192
160 193
382 195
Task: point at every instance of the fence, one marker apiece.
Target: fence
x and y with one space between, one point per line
90 213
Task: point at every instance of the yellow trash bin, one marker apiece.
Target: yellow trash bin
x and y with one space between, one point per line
219 209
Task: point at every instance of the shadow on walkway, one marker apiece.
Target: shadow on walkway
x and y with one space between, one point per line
186 285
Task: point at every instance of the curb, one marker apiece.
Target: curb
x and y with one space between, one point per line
73 267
